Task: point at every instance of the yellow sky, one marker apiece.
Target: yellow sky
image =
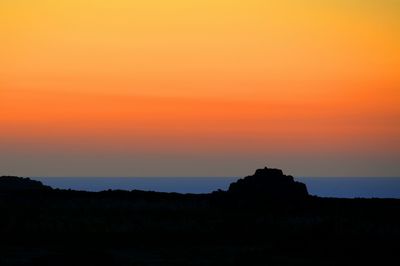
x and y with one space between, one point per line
257 78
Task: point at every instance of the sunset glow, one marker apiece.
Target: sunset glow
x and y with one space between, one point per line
199 88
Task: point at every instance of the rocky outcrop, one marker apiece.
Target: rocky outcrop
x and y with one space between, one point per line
13 183
269 183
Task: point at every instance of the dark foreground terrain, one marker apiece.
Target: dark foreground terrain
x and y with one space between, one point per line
263 219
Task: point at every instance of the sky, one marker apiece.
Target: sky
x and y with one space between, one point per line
199 87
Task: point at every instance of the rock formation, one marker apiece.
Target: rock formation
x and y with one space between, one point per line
269 183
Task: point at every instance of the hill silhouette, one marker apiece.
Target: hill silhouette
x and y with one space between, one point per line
266 183
269 183
263 219
13 183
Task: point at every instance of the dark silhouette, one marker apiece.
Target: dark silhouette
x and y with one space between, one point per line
270 184
13 183
263 219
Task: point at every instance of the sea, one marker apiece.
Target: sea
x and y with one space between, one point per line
341 187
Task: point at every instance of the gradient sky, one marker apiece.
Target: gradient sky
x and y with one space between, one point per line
199 87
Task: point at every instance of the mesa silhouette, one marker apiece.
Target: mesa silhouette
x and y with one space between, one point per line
266 218
266 183
269 183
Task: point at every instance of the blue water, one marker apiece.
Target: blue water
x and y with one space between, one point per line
343 187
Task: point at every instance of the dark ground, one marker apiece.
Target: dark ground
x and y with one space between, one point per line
117 228
60 227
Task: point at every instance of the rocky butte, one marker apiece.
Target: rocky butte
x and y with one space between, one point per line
269 183
266 183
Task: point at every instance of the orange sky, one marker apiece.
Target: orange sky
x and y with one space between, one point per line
192 88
